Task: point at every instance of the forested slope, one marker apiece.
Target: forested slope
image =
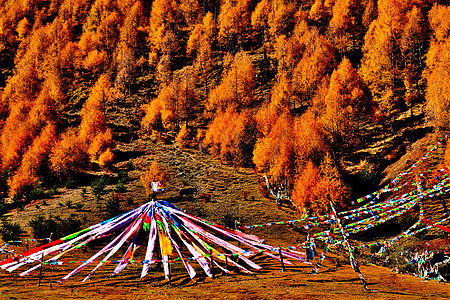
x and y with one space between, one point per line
299 90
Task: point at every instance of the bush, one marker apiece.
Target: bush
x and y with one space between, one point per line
69 203
79 206
39 193
98 186
36 193
42 227
130 165
122 175
70 183
120 187
10 231
368 175
57 227
83 192
229 219
113 205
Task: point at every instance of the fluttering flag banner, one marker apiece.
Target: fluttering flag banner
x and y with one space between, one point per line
157 187
167 229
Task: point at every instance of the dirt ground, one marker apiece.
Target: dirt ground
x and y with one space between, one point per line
296 282
189 168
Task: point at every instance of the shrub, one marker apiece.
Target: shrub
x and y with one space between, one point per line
70 183
68 203
98 186
10 231
42 227
38 193
120 187
113 205
83 192
122 175
229 219
206 197
57 227
79 206
130 165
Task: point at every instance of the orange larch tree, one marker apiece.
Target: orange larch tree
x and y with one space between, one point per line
281 18
162 23
274 153
236 87
200 43
69 155
93 128
318 14
437 69
153 173
34 163
234 23
232 136
314 186
347 101
382 63
412 45
191 11
317 62
345 27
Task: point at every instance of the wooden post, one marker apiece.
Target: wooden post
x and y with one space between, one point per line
212 263
226 263
281 258
40 272
170 273
27 244
236 227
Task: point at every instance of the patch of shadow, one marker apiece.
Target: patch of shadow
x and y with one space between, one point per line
297 285
127 155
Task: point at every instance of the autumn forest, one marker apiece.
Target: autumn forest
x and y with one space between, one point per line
288 88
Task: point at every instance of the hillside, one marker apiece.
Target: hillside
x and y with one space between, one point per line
330 99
